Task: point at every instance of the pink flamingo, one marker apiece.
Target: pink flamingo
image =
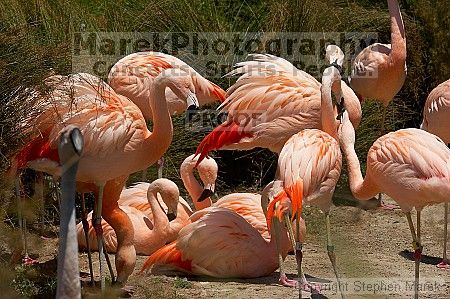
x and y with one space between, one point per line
151 230
436 113
310 162
221 243
270 102
114 130
379 71
133 76
411 166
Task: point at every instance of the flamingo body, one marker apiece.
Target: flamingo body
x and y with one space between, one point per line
436 112
133 75
218 243
270 102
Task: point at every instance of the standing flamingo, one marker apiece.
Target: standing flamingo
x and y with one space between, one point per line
436 120
69 150
133 76
411 166
151 230
379 71
270 102
310 162
114 130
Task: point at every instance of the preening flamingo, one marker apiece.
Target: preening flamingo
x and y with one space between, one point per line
152 229
114 130
271 101
68 273
436 120
309 164
411 166
379 71
133 76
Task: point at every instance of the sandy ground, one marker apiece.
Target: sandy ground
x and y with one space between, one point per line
373 250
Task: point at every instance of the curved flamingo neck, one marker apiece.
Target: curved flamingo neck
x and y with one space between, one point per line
162 133
362 188
330 80
193 187
160 220
398 38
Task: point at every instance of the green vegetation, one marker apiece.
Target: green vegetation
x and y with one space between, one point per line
35 41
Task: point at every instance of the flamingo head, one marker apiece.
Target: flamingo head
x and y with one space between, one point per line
170 194
182 85
207 170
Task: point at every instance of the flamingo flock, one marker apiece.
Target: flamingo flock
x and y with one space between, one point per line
94 134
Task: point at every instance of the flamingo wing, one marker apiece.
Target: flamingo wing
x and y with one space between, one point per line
416 153
437 110
133 75
247 205
218 243
313 159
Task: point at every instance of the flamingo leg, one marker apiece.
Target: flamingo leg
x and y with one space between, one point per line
332 255
27 260
444 264
417 250
39 187
125 258
304 282
97 223
283 280
86 234
160 164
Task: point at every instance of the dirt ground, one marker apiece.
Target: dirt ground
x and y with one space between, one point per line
373 250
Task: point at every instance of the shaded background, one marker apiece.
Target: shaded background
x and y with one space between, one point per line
35 41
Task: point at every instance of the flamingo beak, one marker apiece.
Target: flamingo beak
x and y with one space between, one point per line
172 213
340 109
208 191
193 105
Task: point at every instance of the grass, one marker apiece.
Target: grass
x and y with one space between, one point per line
35 41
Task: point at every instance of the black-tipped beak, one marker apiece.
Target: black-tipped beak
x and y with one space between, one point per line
171 216
191 112
340 109
205 194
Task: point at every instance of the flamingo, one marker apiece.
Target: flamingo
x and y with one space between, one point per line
133 76
379 70
250 206
151 230
309 164
221 243
411 166
270 102
69 150
114 129
436 113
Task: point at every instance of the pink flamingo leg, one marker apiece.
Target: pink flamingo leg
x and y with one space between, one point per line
444 264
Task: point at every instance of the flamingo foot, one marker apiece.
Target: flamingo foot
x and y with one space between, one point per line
385 206
284 281
443 265
29 261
